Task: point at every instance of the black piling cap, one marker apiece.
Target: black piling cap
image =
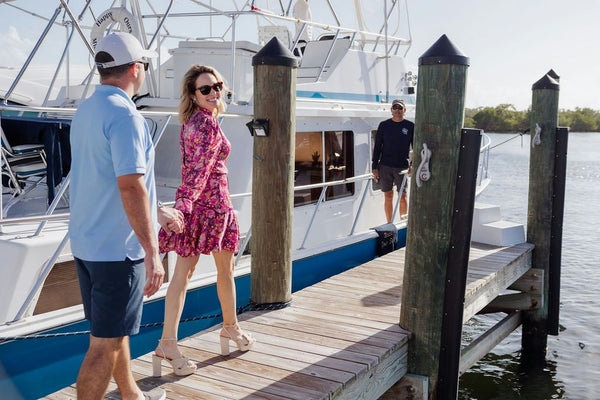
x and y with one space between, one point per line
552 74
443 52
275 53
546 82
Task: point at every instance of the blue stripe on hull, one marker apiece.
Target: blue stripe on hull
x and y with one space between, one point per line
340 96
30 369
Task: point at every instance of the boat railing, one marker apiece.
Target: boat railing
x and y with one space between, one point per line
483 178
52 260
324 186
54 112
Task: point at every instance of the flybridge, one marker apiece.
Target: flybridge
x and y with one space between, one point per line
163 26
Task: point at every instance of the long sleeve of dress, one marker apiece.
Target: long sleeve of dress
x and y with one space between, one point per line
201 143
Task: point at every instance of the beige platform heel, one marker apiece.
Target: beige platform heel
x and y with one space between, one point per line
243 341
181 366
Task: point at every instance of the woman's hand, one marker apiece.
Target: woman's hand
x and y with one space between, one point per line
170 219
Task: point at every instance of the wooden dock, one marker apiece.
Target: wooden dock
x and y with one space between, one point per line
339 339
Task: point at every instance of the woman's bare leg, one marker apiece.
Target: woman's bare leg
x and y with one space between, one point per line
226 286
174 301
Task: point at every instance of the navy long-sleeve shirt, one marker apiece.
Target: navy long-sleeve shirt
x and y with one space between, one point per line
392 143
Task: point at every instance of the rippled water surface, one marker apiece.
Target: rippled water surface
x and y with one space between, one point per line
572 368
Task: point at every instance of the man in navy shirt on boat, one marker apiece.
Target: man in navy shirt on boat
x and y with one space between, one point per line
393 142
113 216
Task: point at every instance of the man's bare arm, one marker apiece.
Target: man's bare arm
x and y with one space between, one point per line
137 208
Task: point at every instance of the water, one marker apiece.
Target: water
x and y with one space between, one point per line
572 367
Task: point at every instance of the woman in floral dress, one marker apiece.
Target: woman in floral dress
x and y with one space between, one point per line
211 226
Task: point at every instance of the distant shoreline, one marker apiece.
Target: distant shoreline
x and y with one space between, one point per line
506 118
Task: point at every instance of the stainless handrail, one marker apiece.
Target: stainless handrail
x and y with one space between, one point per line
35 218
400 191
483 166
31 54
63 188
325 186
312 219
255 12
333 42
60 63
72 111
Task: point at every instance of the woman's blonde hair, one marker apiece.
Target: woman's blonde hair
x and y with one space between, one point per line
187 107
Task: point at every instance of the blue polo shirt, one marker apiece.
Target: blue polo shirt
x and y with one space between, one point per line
109 138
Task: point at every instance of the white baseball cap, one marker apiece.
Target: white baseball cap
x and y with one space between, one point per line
124 48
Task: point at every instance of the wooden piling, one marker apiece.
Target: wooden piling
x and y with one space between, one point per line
439 118
275 69
544 120
558 205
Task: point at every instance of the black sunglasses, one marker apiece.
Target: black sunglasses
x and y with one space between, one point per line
205 89
145 64
397 107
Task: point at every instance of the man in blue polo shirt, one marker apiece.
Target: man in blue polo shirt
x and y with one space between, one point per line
113 216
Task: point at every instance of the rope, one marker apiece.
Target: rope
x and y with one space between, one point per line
240 310
520 134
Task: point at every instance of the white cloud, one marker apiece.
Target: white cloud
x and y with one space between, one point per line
13 49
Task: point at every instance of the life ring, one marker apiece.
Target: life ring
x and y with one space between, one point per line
117 14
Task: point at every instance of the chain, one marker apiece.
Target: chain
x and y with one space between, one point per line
251 306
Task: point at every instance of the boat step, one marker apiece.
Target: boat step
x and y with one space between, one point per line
489 228
498 233
485 213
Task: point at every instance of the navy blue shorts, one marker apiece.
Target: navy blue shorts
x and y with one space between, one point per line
112 293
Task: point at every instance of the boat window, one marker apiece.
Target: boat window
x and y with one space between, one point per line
375 185
312 167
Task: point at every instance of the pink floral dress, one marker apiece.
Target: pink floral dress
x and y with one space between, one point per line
203 197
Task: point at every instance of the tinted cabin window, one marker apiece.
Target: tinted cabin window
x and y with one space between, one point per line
323 157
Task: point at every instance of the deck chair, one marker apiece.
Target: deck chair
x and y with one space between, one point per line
20 163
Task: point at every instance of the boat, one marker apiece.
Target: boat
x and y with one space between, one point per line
346 80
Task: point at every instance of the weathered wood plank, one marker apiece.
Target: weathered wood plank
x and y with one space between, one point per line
312 348
513 302
531 282
311 320
343 319
317 340
478 295
383 376
285 352
207 371
313 384
488 340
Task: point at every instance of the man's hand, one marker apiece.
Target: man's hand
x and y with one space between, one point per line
376 175
170 219
155 273
137 208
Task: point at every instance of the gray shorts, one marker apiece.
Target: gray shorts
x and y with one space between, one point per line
388 176
112 293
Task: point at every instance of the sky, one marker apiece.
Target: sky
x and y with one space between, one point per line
510 43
